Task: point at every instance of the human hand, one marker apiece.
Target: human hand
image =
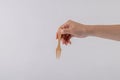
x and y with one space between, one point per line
71 29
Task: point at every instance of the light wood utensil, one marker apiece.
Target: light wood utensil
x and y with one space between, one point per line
58 49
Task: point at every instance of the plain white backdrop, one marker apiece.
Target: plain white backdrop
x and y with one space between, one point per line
27 40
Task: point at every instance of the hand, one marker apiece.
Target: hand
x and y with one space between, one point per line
71 29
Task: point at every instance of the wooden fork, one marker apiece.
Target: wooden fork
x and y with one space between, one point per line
58 49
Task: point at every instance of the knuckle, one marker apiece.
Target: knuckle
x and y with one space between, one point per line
69 20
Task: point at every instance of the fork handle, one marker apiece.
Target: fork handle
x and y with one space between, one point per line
59 38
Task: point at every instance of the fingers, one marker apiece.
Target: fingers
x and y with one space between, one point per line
58 32
64 30
65 38
56 35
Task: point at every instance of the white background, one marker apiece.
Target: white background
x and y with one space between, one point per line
27 40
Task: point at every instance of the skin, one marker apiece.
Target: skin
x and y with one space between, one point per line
75 29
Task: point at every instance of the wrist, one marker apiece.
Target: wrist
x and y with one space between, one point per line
90 30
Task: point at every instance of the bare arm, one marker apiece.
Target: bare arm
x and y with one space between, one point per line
75 29
104 31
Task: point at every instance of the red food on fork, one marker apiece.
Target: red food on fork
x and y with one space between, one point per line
66 38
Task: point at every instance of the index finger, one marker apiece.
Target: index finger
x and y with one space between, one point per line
59 31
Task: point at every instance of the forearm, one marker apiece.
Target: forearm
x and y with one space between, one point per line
104 31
